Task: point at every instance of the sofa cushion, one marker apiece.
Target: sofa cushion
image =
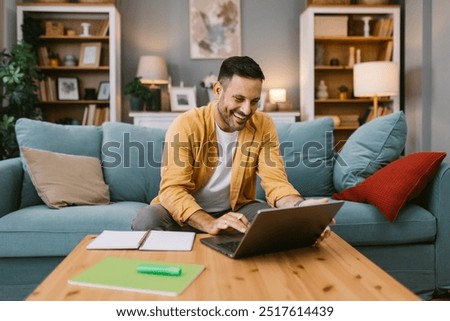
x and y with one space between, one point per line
63 179
131 159
68 139
307 150
370 147
40 231
363 224
395 184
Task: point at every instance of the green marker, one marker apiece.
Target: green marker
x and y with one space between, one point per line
159 269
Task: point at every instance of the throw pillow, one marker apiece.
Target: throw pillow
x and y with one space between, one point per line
372 146
395 184
68 139
63 179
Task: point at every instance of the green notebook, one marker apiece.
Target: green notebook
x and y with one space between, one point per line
120 274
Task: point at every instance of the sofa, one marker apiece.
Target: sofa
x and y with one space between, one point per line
413 246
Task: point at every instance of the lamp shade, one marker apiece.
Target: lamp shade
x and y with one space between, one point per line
375 78
153 70
277 95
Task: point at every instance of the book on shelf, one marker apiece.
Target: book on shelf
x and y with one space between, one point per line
120 273
369 114
47 89
104 27
384 27
351 120
43 59
387 53
95 115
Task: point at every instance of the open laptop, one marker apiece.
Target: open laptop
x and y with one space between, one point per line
277 229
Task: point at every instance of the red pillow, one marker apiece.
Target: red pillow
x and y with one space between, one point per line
398 182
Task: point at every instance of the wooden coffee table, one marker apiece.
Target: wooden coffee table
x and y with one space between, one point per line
333 271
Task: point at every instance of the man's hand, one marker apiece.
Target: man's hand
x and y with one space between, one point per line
327 231
230 221
227 222
314 201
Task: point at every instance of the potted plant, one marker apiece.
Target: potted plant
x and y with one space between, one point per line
139 93
18 93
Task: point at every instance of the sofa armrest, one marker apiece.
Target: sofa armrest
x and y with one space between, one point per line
11 177
436 198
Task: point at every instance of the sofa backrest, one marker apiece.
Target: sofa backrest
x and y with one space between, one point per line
131 159
308 152
131 155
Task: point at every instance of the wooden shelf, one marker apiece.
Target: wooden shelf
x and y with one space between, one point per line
104 29
347 39
74 102
73 68
317 51
350 101
74 38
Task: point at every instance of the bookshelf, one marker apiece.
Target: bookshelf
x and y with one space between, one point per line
78 52
332 40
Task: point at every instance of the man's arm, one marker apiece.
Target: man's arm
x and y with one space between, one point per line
295 200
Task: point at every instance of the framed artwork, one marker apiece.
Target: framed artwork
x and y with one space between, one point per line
68 88
103 91
214 28
90 54
182 98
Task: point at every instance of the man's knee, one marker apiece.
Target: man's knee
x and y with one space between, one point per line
151 217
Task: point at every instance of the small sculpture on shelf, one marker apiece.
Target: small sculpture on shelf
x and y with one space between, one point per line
322 90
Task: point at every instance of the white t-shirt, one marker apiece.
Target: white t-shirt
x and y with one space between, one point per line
215 195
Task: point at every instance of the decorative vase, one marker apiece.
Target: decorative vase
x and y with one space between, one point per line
136 104
322 90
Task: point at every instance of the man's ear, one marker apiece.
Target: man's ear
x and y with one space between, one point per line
217 88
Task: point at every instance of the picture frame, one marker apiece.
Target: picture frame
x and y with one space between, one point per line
90 54
103 91
213 35
182 98
68 88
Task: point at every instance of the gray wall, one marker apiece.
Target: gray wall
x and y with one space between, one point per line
270 34
427 94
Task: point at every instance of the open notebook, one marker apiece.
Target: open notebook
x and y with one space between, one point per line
143 240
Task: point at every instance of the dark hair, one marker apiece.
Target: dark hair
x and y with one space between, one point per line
242 66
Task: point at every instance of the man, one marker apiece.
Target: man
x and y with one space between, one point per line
212 157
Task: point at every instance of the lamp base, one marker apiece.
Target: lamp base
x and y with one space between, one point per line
154 104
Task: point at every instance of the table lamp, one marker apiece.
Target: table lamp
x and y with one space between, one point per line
152 71
375 79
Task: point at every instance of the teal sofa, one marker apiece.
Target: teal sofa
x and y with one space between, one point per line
34 238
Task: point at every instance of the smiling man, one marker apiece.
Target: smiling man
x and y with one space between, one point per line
212 157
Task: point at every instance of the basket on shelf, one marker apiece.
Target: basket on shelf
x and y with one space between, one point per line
321 2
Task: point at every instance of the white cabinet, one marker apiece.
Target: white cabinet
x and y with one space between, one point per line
67 39
164 119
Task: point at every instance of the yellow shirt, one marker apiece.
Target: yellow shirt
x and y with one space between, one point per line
190 157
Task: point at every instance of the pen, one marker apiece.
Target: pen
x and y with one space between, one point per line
159 269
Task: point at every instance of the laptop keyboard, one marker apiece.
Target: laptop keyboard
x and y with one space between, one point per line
230 246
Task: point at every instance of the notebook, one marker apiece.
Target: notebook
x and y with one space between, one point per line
119 273
277 229
143 240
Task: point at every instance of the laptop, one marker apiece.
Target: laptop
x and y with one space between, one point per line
277 229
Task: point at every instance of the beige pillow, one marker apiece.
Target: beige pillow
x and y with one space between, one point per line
62 179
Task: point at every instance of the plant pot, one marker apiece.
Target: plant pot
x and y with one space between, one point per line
136 104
